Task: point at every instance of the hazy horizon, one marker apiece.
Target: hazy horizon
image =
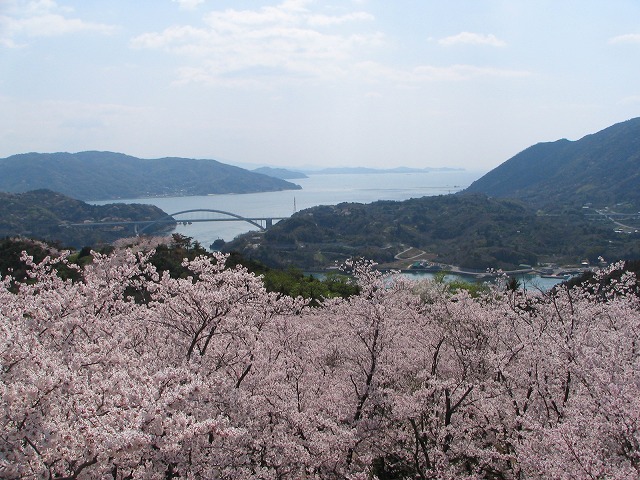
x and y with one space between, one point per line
299 83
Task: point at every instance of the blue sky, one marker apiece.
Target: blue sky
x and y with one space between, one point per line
380 83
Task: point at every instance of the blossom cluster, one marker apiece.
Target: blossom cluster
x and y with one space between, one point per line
129 373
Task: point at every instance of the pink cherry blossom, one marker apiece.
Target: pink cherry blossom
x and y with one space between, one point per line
129 373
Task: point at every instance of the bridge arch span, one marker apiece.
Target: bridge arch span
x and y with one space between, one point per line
210 210
233 216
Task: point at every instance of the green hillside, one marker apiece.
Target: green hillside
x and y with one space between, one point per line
602 169
471 231
108 175
47 215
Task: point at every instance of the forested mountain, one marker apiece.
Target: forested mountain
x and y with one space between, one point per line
46 215
471 231
107 175
602 169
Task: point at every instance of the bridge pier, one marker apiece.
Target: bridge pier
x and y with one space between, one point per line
268 223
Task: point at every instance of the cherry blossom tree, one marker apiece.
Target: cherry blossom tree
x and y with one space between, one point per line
128 373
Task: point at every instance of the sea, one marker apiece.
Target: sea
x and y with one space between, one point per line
317 189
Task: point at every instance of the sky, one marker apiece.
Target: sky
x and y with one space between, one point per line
303 83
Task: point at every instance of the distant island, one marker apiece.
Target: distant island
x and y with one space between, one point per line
107 176
289 174
367 170
282 173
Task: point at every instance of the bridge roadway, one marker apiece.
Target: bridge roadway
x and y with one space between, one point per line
233 217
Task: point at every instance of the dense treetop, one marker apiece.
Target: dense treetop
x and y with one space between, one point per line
107 175
602 169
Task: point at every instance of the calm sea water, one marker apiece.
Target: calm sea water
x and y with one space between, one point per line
316 190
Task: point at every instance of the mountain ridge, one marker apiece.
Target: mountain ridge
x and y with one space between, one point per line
601 168
95 175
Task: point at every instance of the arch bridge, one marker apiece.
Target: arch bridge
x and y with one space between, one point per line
267 222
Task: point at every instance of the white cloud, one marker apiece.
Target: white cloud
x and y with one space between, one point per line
627 38
188 4
291 43
272 43
44 18
468 38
